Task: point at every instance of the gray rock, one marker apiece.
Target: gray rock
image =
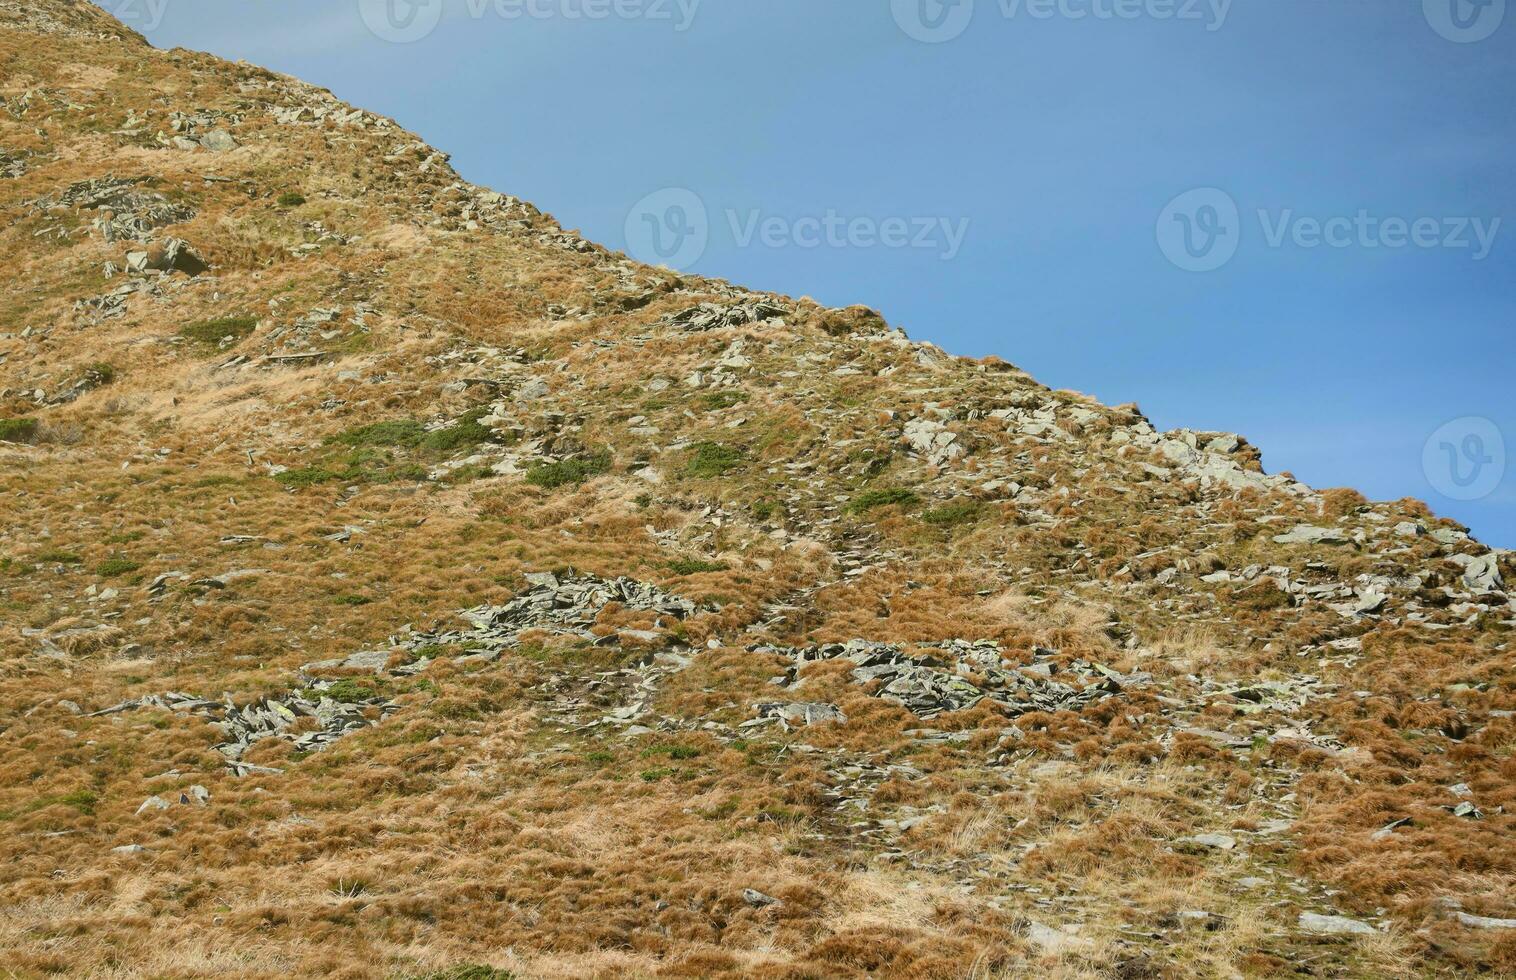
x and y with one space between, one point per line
1389 829
1369 601
533 390
1335 925
218 141
1052 940
1482 922
712 316
758 899
1307 534
152 803
175 255
802 713
932 441
373 660
1214 842
1481 574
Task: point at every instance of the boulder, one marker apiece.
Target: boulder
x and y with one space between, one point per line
218 141
758 899
152 803
174 255
1481 574
802 712
932 440
1335 925
1307 534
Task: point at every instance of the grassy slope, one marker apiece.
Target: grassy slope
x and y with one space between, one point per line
473 828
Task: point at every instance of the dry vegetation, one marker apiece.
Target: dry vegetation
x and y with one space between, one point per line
221 483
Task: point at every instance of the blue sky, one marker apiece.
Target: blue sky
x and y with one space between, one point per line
1345 297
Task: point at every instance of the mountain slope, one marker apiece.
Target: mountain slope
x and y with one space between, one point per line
392 580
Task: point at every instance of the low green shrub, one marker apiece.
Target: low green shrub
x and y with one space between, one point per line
694 566
399 433
712 459
715 401
348 692
116 565
213 333
551 476
308 476
954 514
18 430
870 499
461 435
100 374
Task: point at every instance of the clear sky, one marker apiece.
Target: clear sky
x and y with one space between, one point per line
1293 219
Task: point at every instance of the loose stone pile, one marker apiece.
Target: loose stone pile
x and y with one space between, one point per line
568 606
11 165
127 212
929 684
202 129
712 316
113 303
271 718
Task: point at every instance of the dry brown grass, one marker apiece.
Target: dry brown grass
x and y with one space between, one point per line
469 828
